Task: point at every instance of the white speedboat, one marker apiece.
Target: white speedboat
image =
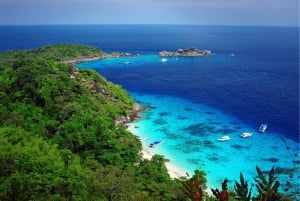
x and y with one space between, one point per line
263 128
164 60
224 138
245 135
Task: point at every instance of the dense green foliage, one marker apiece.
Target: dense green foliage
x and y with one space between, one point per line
58 138
59 52
242 190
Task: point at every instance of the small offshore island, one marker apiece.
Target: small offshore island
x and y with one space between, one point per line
191 52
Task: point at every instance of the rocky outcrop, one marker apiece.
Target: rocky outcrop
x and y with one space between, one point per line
135 114
122 54
191 52
107 55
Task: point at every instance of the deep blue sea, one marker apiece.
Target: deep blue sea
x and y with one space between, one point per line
252 78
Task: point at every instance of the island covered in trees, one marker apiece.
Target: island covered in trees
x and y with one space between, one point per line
191 52
61 137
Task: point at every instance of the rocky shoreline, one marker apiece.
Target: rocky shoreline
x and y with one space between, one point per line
191 52
104 56
134 114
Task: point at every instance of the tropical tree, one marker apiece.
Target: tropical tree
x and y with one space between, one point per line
267 188
194 187
241 189
221 195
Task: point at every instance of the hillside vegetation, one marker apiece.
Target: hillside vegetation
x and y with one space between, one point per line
58 138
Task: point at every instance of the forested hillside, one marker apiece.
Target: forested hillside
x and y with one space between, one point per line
58 138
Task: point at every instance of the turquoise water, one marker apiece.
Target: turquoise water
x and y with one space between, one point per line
252 78
190 132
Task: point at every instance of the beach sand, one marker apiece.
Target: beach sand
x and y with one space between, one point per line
173 171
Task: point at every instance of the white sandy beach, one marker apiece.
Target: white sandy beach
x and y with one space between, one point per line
173 171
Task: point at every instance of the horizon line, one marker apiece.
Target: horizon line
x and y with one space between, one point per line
148 24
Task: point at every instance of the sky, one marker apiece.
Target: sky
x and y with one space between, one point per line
203 12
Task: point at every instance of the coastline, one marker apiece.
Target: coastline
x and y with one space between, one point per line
174 171
84 59
104 56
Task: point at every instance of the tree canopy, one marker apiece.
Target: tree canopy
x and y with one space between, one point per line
58 135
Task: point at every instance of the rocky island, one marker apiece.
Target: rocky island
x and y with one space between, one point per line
191 52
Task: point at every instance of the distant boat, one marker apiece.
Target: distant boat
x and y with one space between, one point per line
224 138
245 135
155 144
127 62
263 128
164 60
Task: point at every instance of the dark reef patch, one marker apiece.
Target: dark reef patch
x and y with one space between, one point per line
160 122
237 146
162 114
273 160
212 158
209 144
226 131
216 123
193 161
193 142
188 109
181 117
187 149
200 129
166 132
279 170
172 136
296 162
162 130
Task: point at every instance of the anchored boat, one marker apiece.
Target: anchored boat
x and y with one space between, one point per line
224 138
245 135
263 128
155 144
